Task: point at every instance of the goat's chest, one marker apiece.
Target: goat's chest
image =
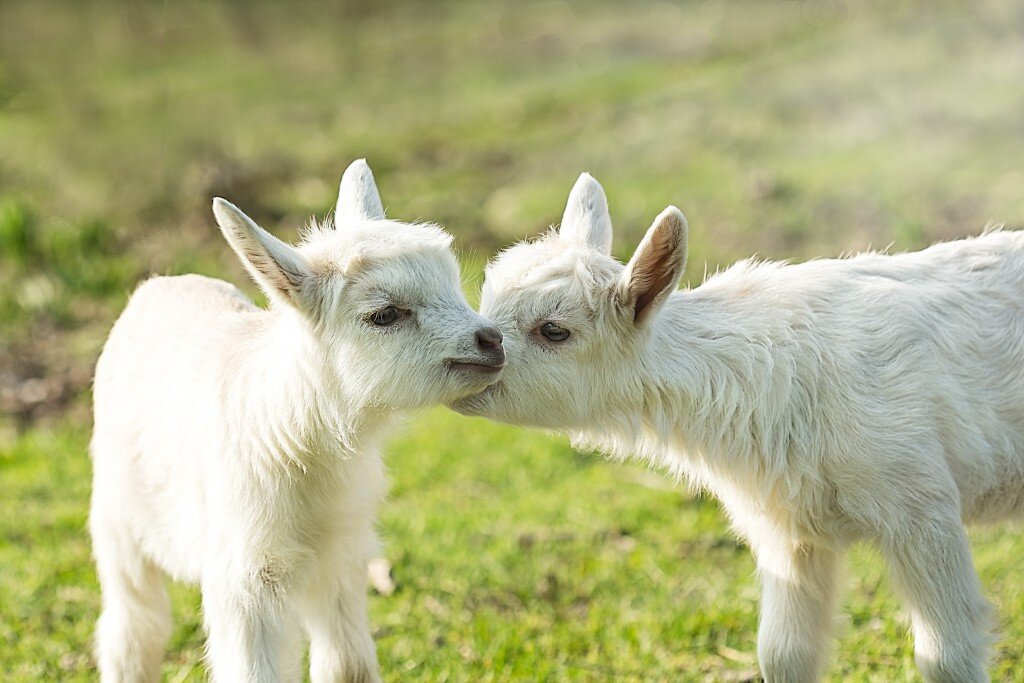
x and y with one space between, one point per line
319 508
763 511
335 497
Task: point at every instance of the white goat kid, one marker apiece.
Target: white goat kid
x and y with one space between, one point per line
876 397
237 447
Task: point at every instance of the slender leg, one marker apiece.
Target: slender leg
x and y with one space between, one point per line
247 631
933 570
133 629
341 643
292 648
797 606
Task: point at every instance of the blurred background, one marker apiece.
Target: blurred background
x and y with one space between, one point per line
786 128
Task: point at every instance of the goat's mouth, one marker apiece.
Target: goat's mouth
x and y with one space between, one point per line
475 365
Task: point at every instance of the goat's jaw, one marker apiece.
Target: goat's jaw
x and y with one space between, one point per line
476 404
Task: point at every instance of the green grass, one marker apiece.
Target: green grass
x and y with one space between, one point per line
515 559
787 129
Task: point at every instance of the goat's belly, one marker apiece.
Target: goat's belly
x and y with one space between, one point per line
178 550
173 521
990 477
1004 500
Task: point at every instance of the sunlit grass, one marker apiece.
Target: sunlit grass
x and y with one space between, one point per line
515 558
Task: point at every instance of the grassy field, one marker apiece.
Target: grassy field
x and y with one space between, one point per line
790 129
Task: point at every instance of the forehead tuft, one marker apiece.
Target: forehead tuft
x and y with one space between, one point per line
548 261
372 242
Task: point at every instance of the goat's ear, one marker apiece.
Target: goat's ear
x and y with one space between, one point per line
586 219
358 198
277 268
654 271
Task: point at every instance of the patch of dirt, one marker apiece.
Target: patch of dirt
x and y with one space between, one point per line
40 379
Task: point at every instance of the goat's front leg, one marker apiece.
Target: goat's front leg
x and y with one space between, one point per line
797 605
933 570
341 648
248 629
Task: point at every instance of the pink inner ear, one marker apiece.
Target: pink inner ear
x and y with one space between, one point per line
654 273
649 296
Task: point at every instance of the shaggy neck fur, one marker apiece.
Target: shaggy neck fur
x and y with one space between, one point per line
305 412
715 394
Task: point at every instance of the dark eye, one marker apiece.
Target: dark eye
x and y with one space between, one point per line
553 332
385 316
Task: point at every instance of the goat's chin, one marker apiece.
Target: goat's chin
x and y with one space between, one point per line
468 380
474 404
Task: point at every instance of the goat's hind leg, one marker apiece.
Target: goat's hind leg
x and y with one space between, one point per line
933 570
135 624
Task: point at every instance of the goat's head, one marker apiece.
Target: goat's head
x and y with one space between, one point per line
381 299
573 317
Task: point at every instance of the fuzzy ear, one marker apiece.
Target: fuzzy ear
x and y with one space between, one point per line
358 198
277 268
654 271
586 219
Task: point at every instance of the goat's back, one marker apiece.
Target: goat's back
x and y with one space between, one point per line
914 362
170 335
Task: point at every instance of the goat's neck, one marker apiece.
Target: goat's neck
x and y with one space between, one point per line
286 390
707 391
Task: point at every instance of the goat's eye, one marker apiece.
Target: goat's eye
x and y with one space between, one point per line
385 316
553 332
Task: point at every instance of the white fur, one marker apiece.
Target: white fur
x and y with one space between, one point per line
875 397
237 447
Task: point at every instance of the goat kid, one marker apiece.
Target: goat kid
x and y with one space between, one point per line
874 397
237 447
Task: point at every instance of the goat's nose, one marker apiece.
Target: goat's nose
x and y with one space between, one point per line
488 338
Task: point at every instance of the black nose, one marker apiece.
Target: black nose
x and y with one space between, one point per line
488 338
